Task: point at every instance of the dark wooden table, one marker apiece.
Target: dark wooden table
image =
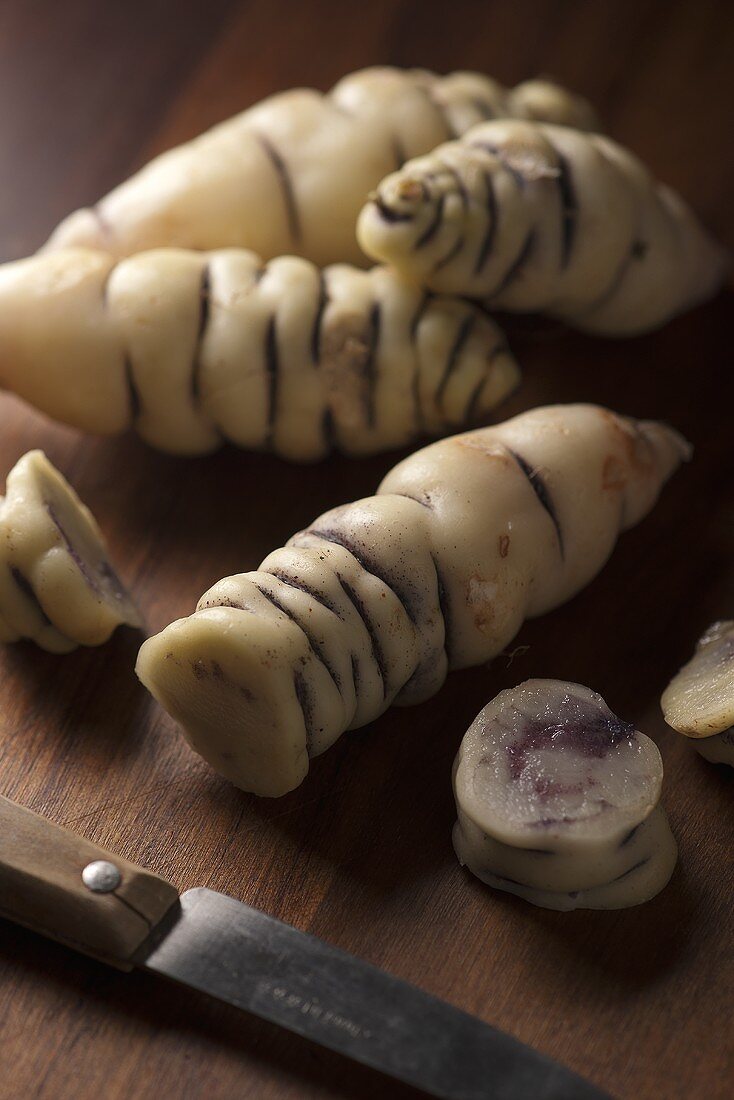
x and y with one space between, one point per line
639 1000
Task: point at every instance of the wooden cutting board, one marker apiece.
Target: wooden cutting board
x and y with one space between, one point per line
639 1000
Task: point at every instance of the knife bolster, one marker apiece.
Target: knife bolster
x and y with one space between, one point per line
41 887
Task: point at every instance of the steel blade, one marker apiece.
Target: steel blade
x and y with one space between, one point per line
240 955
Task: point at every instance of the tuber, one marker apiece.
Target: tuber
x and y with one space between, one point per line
540 218
290 174
374 602
195 349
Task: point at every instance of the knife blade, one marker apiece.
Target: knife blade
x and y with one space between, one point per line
69 889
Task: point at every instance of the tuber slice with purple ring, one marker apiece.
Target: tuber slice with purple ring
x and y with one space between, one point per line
558 801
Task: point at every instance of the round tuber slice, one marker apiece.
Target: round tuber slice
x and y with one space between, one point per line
558 800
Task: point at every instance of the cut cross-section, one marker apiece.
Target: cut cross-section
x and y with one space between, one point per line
558 800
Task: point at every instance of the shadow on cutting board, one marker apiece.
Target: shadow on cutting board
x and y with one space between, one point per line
629 947
88 702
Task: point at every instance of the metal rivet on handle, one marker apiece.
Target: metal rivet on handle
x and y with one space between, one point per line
101 876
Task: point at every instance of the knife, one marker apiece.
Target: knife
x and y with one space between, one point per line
56 883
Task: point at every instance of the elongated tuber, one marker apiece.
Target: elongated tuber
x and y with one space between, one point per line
534 217
699 700
194 349
57 586
558 801
377 600
290 174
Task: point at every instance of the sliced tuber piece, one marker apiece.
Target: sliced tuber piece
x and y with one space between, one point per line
57 586
699 701
558 801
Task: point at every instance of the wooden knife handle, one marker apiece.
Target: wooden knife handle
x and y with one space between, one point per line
47 884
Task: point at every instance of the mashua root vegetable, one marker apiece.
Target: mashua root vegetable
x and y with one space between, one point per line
699 700
376 600
57 586
542 218
194 349
290 174
558 801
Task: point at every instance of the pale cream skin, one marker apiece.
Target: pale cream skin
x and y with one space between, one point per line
194 349
57 587
290 174
558 801
543 218
377 600
699 700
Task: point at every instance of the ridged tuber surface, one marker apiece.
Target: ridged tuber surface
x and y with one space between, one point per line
290 174
699 700
57 586
193 349
542 218
374 602
558 801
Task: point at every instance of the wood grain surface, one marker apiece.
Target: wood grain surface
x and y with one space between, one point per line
639 1000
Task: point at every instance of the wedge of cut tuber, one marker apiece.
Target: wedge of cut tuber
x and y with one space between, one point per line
699 700
540 218
558 801
374 602
194 349
290 174
57 586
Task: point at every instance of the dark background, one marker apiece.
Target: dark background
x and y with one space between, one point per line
638 1000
